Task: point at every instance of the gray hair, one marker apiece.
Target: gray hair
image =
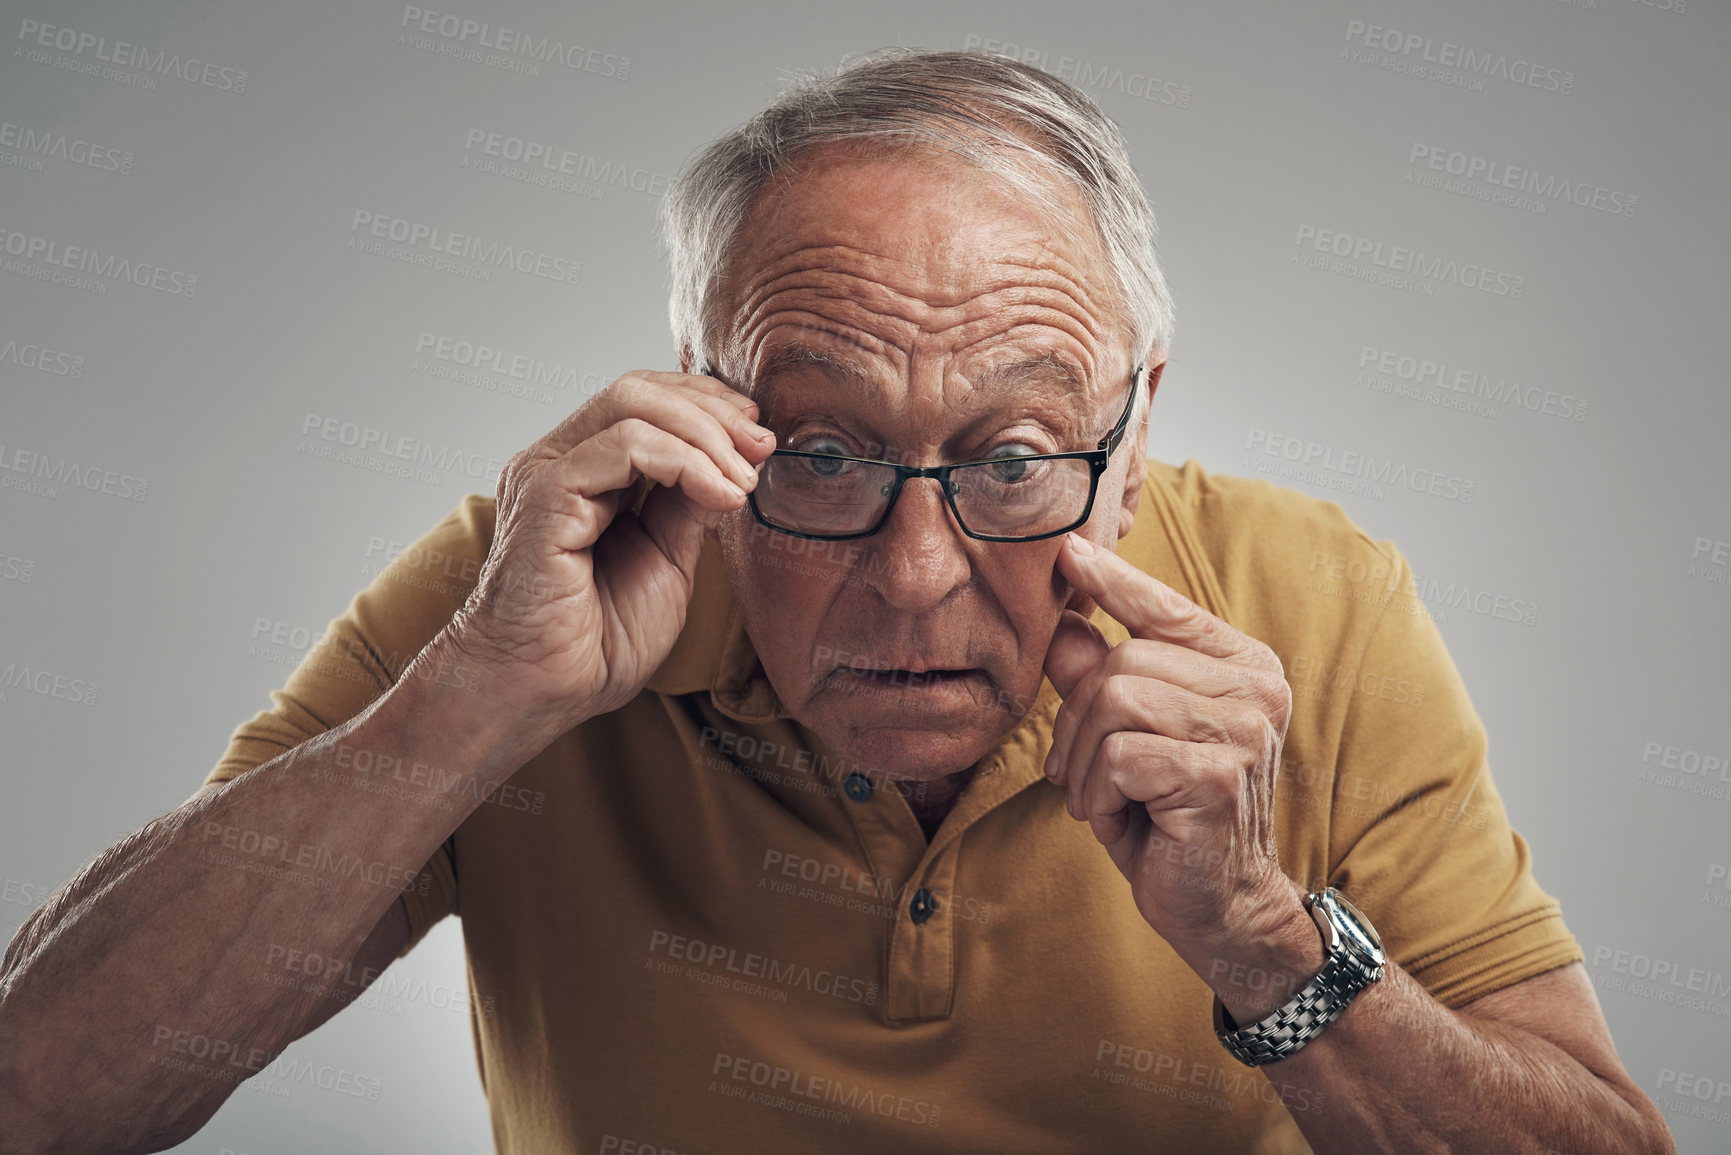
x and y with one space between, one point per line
1025 126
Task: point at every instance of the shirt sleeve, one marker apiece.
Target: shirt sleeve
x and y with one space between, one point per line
361 654
1418 828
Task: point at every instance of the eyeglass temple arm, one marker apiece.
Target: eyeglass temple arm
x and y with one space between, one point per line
1110 441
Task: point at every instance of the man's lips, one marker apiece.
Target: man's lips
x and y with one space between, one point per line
911 678
904 673
948 690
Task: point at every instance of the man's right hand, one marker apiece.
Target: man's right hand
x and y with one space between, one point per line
580 600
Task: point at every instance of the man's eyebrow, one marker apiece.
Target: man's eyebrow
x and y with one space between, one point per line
794 355
1048 368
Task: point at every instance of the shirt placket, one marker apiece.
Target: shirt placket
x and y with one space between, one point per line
919 965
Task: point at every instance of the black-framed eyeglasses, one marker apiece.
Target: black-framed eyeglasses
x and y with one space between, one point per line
832 497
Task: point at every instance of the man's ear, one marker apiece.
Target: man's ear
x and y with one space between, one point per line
1136 439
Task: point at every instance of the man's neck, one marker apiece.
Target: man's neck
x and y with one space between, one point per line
932 799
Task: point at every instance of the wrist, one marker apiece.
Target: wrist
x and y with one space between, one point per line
1256 968
507 697
447 710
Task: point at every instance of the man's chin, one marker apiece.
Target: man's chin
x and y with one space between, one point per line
912 744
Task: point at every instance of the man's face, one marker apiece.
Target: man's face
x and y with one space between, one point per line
917 312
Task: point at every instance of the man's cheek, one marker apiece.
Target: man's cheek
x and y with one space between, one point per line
783 596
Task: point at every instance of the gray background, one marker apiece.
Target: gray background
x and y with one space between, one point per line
1268 119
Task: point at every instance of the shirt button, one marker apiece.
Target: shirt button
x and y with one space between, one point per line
858 786
922 905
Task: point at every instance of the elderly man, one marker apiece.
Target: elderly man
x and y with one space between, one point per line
853 743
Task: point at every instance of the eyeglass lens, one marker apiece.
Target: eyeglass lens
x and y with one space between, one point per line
1007 497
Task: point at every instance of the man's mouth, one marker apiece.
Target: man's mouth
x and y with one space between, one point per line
928 679
907 676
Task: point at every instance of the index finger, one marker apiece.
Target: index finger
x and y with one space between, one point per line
641 389
1145 605
703 380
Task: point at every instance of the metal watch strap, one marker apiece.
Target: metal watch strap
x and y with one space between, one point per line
1318 1003
1353 958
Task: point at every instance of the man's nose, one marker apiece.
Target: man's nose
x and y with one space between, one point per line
918 556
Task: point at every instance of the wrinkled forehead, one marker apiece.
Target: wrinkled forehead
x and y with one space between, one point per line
879 256
806 360
810 378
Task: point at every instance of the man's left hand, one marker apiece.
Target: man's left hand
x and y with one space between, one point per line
1168 744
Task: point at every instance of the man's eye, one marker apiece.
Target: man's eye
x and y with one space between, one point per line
1006 467
823 444
818 466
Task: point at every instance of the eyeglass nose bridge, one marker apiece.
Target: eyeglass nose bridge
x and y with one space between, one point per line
907 473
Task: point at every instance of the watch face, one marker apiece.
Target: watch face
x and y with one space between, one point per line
1355 928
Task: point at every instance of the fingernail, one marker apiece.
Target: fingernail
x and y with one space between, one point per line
1081 544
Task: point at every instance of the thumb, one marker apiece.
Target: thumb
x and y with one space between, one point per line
676 525
1077 647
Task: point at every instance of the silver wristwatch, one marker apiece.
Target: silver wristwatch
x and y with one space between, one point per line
1353 960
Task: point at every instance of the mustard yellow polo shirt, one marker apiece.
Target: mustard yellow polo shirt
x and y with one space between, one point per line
696 929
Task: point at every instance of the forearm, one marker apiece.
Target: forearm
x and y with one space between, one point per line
1403 1073
164 937
1400 1072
